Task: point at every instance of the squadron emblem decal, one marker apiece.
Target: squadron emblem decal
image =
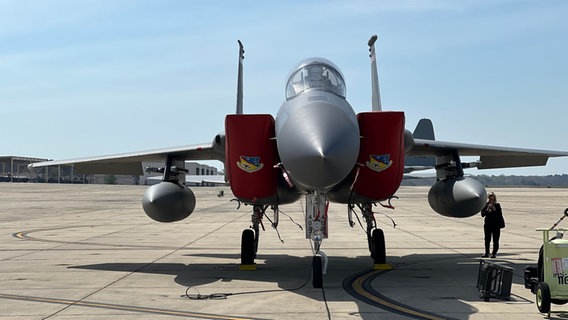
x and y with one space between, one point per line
249 164
379 162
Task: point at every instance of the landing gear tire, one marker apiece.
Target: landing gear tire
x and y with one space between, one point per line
248 252
317 272
543 297
377 247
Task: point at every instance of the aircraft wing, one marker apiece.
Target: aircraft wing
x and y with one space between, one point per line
131 163
491 157
218 180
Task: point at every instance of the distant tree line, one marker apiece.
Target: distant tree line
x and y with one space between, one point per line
557 180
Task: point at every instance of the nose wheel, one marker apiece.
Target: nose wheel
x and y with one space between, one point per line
319 268
317 272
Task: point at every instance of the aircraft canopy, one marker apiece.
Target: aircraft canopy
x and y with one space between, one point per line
317 74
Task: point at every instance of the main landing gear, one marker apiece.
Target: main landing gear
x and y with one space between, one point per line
316 222
316 231
375 237
249 245
249 238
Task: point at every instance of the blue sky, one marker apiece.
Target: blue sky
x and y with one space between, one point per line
81 78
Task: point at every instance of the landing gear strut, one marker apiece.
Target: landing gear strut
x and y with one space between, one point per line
316 231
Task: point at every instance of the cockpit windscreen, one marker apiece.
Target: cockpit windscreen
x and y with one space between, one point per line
315 76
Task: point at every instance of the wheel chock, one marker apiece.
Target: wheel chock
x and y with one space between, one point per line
382 266
247 267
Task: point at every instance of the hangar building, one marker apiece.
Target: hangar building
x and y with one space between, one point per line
15 169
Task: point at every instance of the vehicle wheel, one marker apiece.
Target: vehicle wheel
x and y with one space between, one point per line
247 247
543 297
378 250
317 272
559 302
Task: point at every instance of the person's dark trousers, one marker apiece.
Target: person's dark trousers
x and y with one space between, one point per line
496 234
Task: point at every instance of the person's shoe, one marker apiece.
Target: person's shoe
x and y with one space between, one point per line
485 255
493 256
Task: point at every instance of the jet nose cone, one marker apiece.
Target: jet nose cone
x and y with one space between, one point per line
318 146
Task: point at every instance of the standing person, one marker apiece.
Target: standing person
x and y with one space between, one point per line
494 222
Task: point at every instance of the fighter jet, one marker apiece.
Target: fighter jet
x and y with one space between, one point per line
319 149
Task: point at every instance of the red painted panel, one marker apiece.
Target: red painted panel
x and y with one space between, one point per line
251 155
381 155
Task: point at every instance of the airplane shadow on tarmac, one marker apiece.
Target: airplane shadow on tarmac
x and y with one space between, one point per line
421 286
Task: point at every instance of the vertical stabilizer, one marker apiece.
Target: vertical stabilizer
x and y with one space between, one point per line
240 79
424 130
376 102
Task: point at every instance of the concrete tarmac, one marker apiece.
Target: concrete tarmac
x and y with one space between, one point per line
89 252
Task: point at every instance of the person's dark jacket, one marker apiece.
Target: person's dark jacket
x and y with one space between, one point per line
492 218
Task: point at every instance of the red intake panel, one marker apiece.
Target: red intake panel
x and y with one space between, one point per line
251 155
381 154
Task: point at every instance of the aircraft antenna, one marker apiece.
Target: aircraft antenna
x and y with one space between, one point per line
240 79
376 102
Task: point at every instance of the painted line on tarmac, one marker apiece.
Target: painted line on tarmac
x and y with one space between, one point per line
122 307
25 235
359 286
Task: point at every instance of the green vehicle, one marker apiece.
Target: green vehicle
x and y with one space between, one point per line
549 279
